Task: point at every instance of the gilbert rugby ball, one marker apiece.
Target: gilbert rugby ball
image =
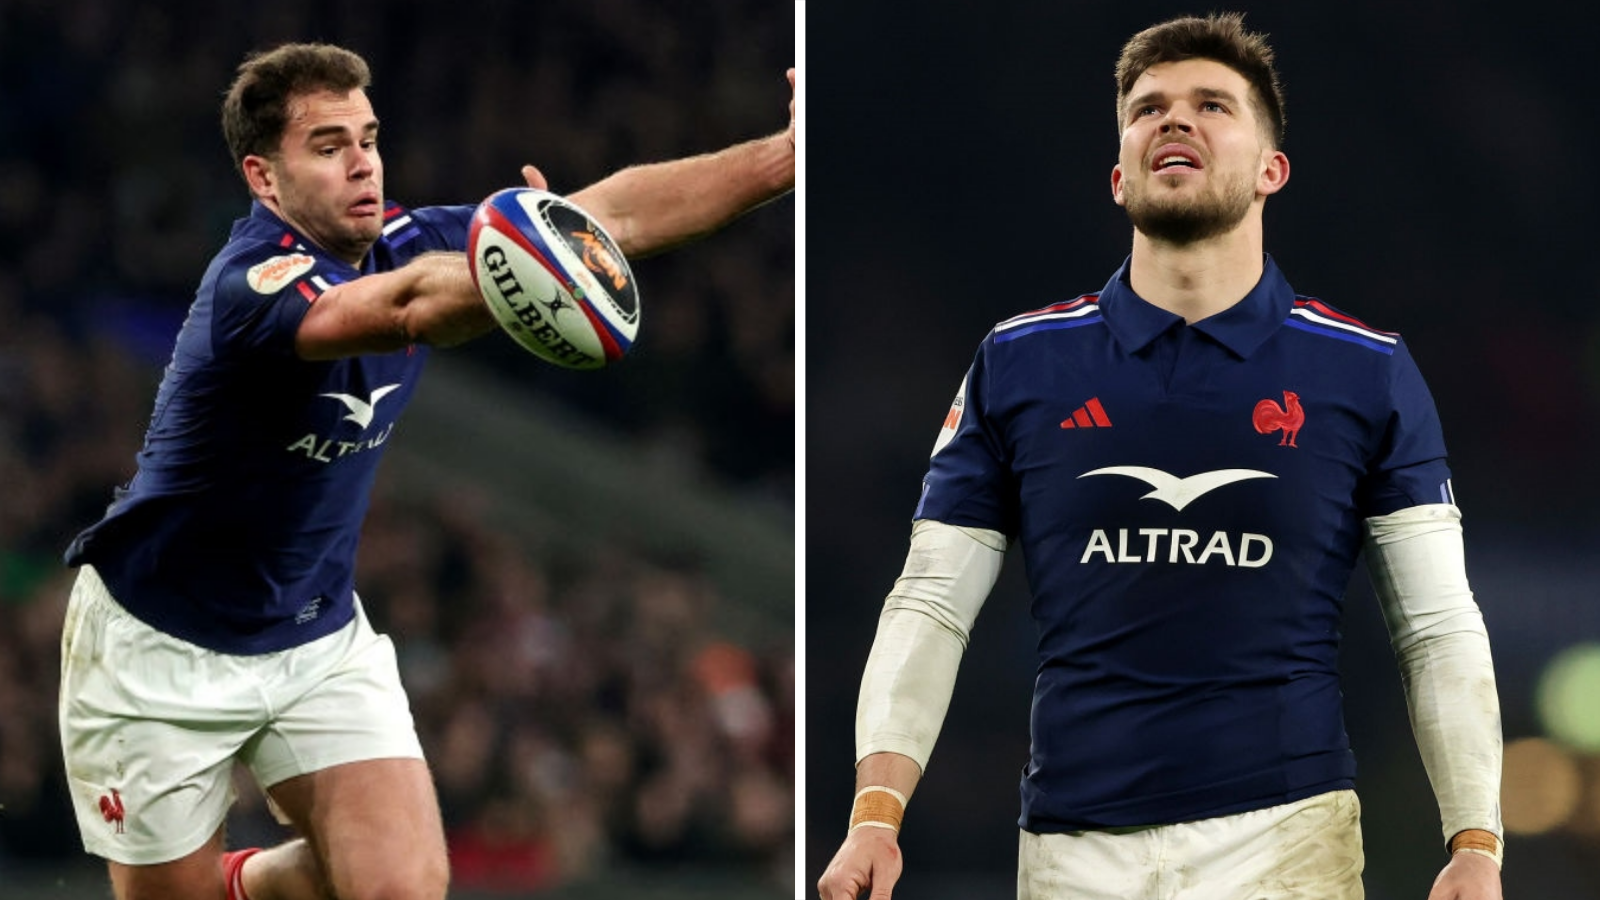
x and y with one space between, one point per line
553 278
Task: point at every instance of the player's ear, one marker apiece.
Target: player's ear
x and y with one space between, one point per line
259 174
1116 184
1274 172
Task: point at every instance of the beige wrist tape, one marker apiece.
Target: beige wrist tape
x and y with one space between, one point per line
1476 840
877 806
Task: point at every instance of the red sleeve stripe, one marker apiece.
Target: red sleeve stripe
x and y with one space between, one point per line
1332 313
306 291
1051 310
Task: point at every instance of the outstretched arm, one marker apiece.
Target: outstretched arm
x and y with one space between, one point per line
430 300
657 206
646 209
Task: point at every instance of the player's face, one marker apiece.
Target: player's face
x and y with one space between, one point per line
327 178
1194 158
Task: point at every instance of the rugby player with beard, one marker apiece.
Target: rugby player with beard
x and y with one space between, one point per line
1188 540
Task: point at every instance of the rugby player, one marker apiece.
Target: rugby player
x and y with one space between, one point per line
1191 459
214 617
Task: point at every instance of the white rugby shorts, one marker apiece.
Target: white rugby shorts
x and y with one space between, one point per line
151 725
1307 850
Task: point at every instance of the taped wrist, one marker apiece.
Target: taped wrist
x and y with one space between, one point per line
1476 840
878 806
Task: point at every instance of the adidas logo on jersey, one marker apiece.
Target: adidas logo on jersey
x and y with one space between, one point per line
1089 415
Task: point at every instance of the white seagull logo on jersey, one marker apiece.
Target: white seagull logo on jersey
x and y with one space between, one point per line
1180 492
361 410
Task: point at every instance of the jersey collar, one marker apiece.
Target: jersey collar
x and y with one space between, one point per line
264 225
1241 328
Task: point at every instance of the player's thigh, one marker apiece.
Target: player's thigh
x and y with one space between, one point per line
342 762
374 825
336 700
197 876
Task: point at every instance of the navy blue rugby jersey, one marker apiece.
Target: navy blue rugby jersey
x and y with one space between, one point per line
1189 501
238 531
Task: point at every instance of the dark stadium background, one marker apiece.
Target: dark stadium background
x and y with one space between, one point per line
589 575
1442 186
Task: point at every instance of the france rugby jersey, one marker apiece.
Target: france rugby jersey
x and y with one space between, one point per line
1189 501
238 531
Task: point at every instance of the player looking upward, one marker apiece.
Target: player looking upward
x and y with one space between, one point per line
220 578
1191 459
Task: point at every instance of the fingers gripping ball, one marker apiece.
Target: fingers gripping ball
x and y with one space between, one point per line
553 278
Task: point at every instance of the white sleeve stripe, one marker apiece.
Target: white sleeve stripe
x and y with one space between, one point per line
1308 315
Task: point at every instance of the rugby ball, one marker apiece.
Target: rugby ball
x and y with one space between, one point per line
553 278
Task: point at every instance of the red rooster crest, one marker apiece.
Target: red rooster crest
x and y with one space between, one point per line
1270 417
111 808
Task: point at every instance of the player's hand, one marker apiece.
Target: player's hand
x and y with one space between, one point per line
869 858
791 131
1468 876
535 178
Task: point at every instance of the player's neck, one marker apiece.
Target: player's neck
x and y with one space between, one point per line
1197 280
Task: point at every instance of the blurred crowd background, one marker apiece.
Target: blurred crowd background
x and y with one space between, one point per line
958 165
587 713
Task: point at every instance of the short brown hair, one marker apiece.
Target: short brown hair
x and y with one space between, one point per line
256 111
1220 37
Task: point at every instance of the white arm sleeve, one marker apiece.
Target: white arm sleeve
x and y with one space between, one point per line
1436 629
922 633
